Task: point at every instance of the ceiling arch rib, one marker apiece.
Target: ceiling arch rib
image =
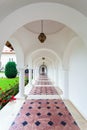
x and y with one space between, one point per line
39 59
38 62
66 15
8 6
47 53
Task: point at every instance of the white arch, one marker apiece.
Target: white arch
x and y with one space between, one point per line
39 63
50 53
17 48
50 63
39 59
52 58
53 11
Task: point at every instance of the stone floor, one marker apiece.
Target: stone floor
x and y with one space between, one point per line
41 111
81 121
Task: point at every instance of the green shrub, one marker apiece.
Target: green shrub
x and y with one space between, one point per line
10 69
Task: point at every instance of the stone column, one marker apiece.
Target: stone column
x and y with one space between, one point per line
36 73
30 77
21 82
33 74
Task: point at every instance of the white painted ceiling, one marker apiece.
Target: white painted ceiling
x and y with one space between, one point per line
49 27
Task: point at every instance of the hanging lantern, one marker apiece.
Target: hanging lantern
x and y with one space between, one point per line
42 36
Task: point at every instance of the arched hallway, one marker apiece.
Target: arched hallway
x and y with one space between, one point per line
64 51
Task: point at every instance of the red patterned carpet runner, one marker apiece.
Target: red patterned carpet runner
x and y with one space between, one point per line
49 114
43 80
44 114
43 83
43 91
43 77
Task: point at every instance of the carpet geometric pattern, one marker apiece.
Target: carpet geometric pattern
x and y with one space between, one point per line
40 114
43 77
43 82
43 91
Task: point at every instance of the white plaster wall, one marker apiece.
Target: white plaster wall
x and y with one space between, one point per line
78 78
61 78
50 73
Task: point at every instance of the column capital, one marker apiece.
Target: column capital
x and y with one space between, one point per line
21 81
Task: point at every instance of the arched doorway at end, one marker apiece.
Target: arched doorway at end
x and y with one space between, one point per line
43 70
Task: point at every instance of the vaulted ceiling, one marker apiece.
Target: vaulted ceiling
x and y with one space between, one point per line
8 6
48 26
58 35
